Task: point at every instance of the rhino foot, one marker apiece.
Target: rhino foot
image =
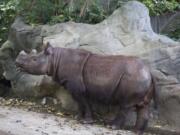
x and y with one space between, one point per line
87 121
115 124
113 127
78 117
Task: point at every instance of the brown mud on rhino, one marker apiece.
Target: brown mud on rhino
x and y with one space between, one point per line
119 80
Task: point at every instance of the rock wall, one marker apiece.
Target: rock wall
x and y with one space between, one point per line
166 23
127 31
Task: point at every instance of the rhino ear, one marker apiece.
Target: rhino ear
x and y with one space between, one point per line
48 49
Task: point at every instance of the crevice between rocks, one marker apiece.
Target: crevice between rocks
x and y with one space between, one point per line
5 86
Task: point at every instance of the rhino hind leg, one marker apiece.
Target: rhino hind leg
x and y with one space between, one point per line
142 119
119 121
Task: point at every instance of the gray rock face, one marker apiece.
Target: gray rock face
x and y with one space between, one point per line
166 23
127 31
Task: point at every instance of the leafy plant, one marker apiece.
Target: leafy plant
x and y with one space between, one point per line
85 11
36 11
57 11
157 7
175 34
95 14
7 14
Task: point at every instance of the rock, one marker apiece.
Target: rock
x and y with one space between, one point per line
55 102
43 102
166 71
127 31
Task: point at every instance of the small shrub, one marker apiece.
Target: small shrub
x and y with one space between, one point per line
175 34
157 7
7 15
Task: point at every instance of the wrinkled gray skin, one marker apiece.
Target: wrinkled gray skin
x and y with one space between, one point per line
117 80
39 63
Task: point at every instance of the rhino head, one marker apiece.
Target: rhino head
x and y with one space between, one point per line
34 63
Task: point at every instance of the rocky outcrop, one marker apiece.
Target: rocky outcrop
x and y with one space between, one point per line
127 31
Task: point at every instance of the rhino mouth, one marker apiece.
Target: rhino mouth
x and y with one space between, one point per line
19 67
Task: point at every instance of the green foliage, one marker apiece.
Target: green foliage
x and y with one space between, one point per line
157 7
94 14
7 14
175 34
57 11
36 11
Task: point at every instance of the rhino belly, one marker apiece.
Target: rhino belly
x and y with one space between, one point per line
116 87
101 83
100 89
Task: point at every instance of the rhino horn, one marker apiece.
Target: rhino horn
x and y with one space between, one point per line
34 51
23 53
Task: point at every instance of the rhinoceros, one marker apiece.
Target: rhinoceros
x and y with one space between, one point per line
124 81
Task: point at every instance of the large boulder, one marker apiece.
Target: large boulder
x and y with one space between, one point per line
127 31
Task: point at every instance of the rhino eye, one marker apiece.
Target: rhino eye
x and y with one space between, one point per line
34 59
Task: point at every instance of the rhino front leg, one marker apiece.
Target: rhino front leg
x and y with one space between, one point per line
88 116
84 107
81 111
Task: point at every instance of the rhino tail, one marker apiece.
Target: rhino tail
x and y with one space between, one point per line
155 93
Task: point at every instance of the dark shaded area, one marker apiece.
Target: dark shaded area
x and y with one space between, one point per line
156 131
168 23
5 86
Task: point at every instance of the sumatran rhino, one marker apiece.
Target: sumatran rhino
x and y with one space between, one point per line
119 80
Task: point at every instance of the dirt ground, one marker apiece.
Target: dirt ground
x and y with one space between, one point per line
14 121
3 133
25 117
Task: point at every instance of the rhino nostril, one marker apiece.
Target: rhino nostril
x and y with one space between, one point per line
17 63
